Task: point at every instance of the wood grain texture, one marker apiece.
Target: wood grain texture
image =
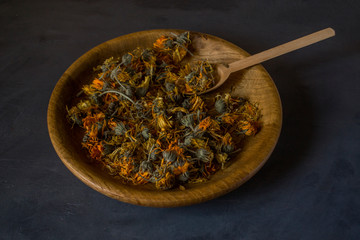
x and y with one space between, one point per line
253 83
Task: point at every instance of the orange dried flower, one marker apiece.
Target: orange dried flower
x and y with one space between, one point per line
140 178
204 124
96 151
166 182
227 139
181 169
248 128
111 123
229 118
126 166
97 84
160 42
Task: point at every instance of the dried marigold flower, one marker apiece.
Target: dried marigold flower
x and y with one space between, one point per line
96 151
204 124
166 182
248 128
141 178
97 84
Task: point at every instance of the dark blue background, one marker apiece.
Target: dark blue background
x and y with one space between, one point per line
308 189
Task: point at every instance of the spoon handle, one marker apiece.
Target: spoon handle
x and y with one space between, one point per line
281 49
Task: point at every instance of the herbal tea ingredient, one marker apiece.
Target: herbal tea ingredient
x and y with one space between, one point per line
141 125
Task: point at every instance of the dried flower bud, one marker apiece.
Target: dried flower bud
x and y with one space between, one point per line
169 86
184 176
169 156
112 107
228 148
127 90
166 182
153 155
120 129
221 158
188 120
182 38
220 106
186 103
146 133
126 59
204 155
159 103
146 55
114 73
179 115
146 166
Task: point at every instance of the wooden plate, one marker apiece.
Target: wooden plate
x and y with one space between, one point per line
253 83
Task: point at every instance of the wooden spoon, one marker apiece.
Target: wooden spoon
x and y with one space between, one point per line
223 71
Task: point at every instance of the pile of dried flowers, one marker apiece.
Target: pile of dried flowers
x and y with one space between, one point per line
142 125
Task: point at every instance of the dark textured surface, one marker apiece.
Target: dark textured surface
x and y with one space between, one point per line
309 188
